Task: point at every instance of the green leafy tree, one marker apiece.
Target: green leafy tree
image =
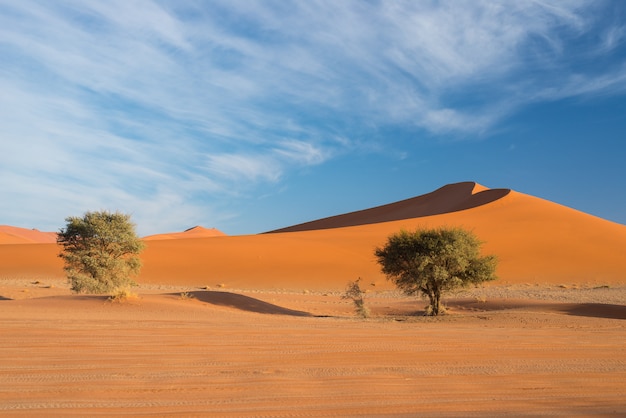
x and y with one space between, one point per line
101 252
433 261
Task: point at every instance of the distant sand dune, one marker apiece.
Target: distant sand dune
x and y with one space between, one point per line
35 261
195 232
535 240
15 235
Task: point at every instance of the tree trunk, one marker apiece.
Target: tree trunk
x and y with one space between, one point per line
436 304
434 297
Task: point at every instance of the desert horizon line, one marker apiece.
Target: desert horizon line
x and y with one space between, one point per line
448 198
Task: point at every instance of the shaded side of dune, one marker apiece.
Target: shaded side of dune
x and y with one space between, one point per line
450 198
245 303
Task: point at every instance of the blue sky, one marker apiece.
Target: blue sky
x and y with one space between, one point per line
253 115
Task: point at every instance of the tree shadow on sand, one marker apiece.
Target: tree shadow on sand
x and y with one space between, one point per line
593 310
4 298
596 310
245 303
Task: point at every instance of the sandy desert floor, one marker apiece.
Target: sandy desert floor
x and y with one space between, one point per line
523 350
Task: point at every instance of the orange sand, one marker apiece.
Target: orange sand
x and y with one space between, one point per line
550 342
14 235
229 354
195 232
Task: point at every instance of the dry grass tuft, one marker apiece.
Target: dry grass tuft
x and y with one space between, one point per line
186 296
123 295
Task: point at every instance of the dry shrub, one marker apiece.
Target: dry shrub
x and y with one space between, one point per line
186 296
123 295
428 310
355 294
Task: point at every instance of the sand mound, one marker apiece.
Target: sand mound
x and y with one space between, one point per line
244 303
195 232
447 199
15 235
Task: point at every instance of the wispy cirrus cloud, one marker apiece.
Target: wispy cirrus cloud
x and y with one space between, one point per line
165 107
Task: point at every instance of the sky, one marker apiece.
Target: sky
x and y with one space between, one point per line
249 115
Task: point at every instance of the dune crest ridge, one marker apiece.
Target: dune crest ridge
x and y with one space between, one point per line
193 232
16 235
447 199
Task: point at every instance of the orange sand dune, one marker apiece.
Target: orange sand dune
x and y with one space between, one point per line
536 241
36 261
195 232
15 235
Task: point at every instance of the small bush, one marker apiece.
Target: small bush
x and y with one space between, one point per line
355 294
481 299
186 295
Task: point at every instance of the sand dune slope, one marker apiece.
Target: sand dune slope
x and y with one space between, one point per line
34 261
195 232
537 241
15 235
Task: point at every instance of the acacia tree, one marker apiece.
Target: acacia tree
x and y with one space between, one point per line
101 252
433 261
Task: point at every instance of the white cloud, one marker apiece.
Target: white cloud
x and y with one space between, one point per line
300 152
449 120
167 106
238 166
613 37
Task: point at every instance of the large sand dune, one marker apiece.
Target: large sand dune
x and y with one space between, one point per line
536 241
